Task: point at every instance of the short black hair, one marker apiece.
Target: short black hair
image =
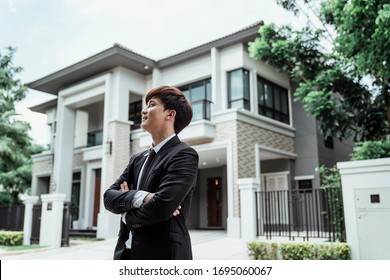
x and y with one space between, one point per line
173 99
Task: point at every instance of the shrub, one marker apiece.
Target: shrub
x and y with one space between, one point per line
331 184
371 150
262 250
334 251
11 238
299 251
6 199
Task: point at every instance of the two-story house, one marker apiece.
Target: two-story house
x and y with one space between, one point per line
245 125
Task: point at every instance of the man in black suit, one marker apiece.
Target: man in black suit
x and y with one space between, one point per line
154 192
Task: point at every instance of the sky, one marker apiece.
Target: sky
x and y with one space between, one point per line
52 34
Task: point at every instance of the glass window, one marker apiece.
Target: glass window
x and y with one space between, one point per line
305 186
94 138
75 196
199 93
272 100
328 141
135 114
238 89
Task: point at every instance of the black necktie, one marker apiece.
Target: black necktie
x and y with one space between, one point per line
145 170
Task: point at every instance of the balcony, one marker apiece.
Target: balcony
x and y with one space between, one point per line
201 131
95 138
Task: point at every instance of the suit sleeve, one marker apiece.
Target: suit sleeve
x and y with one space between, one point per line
177 182
115 200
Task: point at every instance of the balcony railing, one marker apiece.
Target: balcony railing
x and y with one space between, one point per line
95 138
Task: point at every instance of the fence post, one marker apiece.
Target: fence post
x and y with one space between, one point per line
28 201
248 187
51 219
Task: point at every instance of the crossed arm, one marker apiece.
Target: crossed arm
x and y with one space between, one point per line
178 180
145 198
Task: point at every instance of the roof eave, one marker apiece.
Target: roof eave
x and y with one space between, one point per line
103 61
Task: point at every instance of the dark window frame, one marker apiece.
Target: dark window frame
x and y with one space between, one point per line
245 95
203 103
305 186
135 113
277 107
329 142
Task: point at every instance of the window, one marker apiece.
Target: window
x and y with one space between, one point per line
135 114
272 101
238 89
94 138
199 94
305 186
75 196
328 141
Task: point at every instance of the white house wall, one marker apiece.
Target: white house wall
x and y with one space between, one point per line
81 129
188 72
266 71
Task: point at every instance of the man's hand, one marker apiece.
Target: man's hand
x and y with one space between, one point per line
124 187
149 196
176 212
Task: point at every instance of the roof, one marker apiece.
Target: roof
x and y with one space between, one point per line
119 55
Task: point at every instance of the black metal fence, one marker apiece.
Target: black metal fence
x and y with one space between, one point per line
12 217
314 213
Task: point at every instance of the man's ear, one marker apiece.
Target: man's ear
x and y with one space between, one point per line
171 114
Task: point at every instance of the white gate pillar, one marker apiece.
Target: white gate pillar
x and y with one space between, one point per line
29 202
51 219
366 197
247 187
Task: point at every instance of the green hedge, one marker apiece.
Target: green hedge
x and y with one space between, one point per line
11 238
263 250
299 251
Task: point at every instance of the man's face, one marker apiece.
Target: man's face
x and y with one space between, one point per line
153 116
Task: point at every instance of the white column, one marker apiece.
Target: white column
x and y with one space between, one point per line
116 132
156 78
217 98
247 187
63 160
253 91
29 202
51 219
233 222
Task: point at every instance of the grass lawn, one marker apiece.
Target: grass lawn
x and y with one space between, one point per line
20 247
85 238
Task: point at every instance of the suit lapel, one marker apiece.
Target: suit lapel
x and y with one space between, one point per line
157 158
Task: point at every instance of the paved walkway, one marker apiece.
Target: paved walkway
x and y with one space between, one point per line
206 245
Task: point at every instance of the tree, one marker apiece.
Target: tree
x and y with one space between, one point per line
16 145
332 84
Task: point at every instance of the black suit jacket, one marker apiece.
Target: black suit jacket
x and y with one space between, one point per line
156 233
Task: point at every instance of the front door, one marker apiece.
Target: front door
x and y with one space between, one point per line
214 202
96 200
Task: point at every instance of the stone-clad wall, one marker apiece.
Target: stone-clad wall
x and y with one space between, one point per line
42 166
248 135
244 136
119 134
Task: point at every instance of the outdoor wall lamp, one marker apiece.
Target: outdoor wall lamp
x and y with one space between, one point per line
109 147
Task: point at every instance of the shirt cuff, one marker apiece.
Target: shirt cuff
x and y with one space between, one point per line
124 217
138 199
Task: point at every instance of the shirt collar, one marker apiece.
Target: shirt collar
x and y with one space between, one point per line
162 143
